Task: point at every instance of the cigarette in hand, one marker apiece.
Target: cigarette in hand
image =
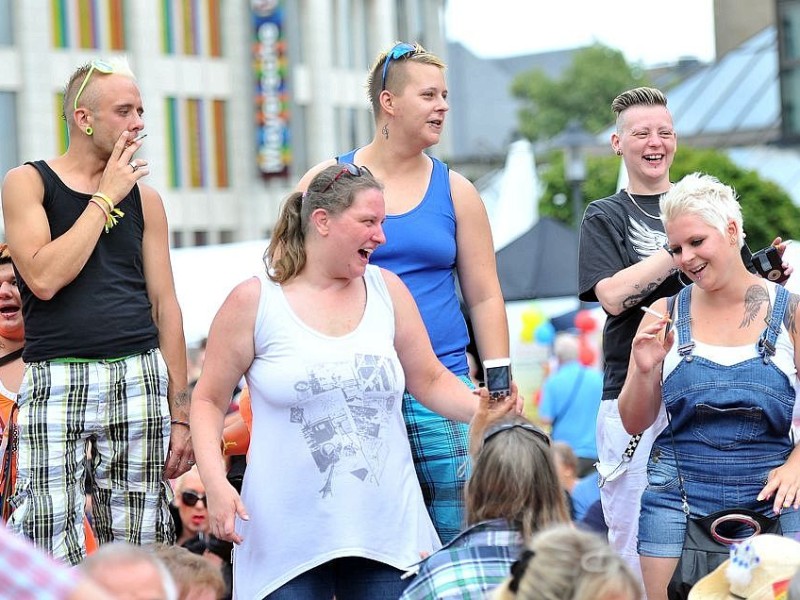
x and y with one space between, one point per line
141 136
659 316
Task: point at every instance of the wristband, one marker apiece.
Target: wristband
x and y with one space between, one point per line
179 422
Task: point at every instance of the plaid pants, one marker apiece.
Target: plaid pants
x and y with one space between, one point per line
440 448
117 409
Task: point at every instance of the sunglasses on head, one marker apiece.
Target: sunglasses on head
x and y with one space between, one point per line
399 51
347 169
190 498
97 65
493 431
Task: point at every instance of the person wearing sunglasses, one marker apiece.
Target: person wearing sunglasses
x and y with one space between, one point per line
191 506
512 493
105 350
436 229
327 342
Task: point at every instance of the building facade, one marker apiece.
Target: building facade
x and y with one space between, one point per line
240 97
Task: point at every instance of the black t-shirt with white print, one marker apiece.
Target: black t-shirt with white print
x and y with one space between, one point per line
615 234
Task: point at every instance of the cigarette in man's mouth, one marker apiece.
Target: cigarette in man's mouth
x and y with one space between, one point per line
141 136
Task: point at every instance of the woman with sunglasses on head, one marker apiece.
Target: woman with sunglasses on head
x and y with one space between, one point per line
513 492
330 503
436 228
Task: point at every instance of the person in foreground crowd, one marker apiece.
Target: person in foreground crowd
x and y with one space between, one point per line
330 502
569 564
725 374
513 493
437 229
104 349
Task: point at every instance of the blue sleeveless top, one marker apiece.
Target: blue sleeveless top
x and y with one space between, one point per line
421 249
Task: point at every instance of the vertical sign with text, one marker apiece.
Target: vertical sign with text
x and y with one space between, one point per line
271 92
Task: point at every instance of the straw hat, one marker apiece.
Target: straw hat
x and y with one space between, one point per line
762 567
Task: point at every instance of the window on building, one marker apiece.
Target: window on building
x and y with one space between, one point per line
788 12
62 131
220 142
200 238
191 27
226 236
177 239
195 143
197 147
6 23
8 133
88 24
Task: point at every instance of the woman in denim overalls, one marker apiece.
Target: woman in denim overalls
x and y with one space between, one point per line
729 373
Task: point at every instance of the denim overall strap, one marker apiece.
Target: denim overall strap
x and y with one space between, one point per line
766 344
683 323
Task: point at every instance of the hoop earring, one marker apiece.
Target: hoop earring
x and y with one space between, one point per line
385 131
619 152
89 130
682 282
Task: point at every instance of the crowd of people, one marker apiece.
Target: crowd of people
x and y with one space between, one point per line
362 461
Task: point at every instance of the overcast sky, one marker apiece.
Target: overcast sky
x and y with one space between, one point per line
649 33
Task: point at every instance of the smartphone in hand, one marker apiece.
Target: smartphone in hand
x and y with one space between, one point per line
497 374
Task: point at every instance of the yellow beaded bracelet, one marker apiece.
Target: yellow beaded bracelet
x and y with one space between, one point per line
114 214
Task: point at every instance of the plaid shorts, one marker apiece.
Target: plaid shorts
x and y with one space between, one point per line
118 410
440 448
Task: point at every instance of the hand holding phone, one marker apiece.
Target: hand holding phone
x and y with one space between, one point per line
768 264
497 374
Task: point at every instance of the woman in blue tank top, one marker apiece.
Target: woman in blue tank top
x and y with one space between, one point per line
436 228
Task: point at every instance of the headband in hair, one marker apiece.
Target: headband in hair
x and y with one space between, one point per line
493 431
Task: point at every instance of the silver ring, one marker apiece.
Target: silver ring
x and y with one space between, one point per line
133 166
190 463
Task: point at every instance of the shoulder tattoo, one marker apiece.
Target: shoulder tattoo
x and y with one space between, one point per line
789 319
754 298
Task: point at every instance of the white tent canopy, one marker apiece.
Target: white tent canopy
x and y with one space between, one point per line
205 275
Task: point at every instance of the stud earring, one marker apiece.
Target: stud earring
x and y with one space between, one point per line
619 152
385 131
89 130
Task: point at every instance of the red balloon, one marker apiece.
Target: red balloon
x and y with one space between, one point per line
585 321
587 355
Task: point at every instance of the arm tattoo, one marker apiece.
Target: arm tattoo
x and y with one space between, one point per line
181 399
754 297
789 320
636 299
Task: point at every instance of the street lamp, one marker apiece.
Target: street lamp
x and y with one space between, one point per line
573 139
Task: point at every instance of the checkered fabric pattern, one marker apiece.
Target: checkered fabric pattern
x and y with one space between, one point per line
440 448
474 563
119 409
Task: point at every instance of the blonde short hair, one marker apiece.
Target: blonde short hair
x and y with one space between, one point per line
706 197
395 74
565 563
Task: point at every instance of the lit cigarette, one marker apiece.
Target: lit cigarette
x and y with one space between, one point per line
659 316
139 137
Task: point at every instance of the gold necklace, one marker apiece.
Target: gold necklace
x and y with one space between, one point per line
636 204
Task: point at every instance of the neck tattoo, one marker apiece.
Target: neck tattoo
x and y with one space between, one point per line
644 212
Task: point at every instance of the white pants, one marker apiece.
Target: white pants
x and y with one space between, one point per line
625 481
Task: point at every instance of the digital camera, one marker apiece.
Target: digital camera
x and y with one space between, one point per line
767 263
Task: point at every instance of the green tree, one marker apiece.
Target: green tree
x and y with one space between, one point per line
584 92
767 209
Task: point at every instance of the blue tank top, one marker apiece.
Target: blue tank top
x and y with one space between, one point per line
421 249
